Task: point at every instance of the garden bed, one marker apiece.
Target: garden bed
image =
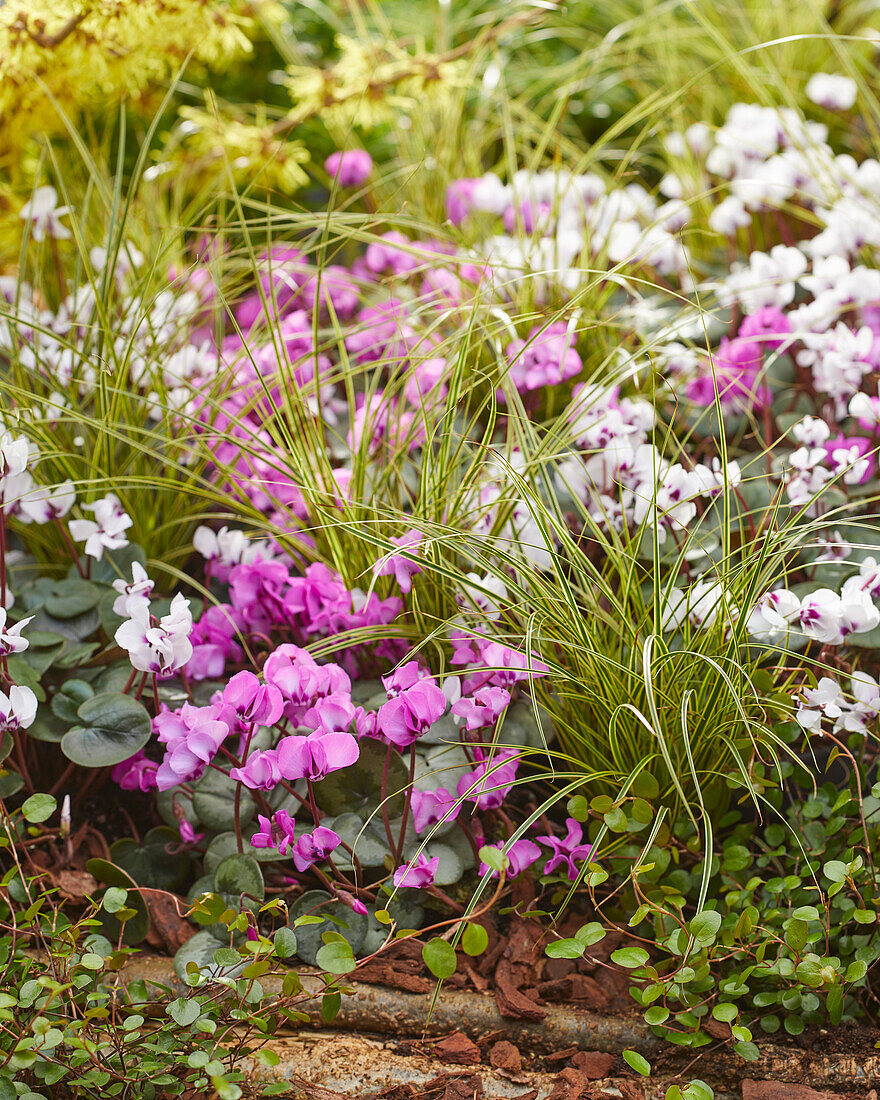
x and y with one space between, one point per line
440 551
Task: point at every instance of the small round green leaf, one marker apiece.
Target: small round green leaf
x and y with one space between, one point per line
336 957
474 940
439 957
39 807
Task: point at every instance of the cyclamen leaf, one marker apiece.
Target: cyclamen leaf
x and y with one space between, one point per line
114 727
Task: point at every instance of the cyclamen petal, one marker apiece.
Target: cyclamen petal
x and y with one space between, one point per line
317 755
418 874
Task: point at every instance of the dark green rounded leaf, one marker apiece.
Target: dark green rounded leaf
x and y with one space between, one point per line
152 863
72 597
213 801
239 874
113 728
360 786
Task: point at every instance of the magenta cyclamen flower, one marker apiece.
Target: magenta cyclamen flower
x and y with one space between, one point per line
509 666
418 873
737 364
261 771
405 717
431 807
459 195
567 850
315 847
490 782
396 565
138 773
301 680
317 755
349 167
768 325
333 714
484 708
520 855
251 701
192 736
546 358
188 835
275 833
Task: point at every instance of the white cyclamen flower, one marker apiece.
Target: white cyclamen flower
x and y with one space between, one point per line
833 91
18 709
42 211
106 530
162 648
137 591
11 640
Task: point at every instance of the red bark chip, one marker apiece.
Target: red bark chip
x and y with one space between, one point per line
593 1065
506 1056
569 1085
782 1090
464 1088
458 1048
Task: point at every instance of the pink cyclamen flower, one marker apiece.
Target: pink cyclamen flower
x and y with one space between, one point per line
277 832
349 167
520 855
260 772
396 565
567 850
138 773
314 847
484 708
459 196
767 325
317 755
192 736
737 364
431 807
188 835
546 357
530 215
509 666
491 781
251 701
405 717
418 873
